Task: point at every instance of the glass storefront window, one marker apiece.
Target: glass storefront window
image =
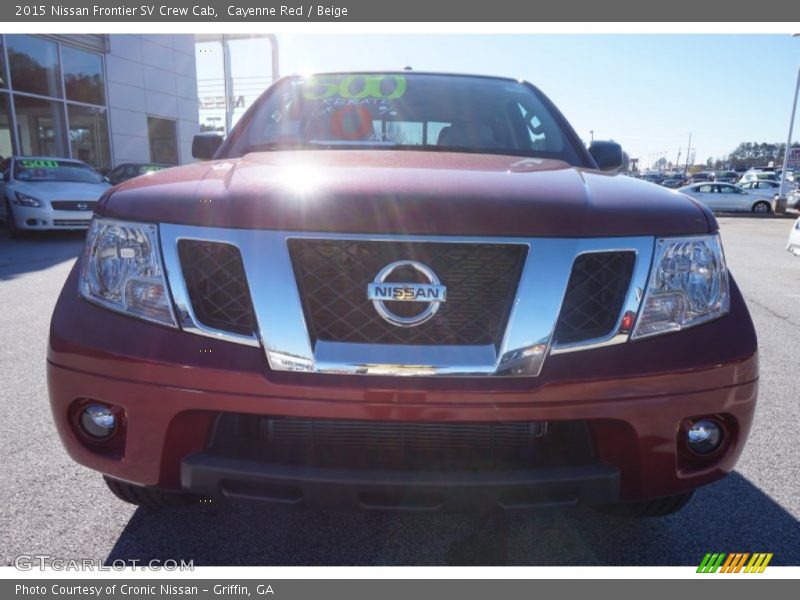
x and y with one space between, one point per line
83 76
40 125
88 135
3 76
6 146
163 136
34 65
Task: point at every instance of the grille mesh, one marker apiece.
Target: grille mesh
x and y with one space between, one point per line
333 275
73 204
217 285
400 445
595 295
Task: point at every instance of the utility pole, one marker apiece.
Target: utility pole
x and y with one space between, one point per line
688 152
780 205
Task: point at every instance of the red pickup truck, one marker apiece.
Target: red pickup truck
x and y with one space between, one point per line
403 291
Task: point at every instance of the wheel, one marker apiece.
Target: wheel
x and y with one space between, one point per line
660 507
11 225
762 207
148 496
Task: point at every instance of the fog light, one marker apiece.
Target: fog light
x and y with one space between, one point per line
98 421
704 436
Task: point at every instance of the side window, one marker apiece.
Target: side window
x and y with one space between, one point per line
113 177
705 189
729 189
5 168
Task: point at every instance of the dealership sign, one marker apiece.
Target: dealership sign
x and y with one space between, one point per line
219 102
794 158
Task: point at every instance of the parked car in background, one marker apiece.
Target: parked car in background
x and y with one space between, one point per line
728 197
794 239
673 183
655 177
127 171
769 186
45 193
793 199
726 176
701 176
758 175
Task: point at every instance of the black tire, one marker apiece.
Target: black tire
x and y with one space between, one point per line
762 207
148 496
11 225
660 507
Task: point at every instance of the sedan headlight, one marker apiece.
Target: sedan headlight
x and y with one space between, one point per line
122 270
25 200
688 285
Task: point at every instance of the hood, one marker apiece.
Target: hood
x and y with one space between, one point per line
61 190
405 192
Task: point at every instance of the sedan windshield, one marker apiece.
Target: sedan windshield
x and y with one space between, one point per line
404 111
51 169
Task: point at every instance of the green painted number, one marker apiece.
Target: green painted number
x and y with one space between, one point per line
356 87
40 164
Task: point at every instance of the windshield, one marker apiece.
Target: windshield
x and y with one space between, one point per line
407 111
51 169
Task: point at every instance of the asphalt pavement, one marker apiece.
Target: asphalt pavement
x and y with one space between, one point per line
50 505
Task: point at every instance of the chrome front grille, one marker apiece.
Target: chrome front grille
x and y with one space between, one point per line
303 297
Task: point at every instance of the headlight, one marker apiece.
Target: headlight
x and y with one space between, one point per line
688 285
122 270
25 200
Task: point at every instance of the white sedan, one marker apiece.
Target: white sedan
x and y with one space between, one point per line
729 197
41 193
794 239
767 186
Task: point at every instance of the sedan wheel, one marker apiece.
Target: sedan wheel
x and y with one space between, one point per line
762 208
11 225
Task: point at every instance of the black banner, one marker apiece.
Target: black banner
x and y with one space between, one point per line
405 589
406 11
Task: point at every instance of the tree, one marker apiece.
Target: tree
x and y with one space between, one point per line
757 154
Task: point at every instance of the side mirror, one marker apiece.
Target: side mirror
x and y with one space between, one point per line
607 155
205 145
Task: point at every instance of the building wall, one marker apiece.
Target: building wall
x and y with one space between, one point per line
150 75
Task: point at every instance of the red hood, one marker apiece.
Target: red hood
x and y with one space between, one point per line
406 192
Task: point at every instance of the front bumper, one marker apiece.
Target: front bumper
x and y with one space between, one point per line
172 387
211 475
46 218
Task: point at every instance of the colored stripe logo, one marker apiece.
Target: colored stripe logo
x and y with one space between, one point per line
734 562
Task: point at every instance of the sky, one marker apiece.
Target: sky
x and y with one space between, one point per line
647 92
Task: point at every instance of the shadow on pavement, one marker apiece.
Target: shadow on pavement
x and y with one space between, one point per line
38 251
732 515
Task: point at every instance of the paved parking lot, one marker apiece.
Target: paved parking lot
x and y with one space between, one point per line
49 505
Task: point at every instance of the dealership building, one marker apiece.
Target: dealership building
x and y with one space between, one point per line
111 99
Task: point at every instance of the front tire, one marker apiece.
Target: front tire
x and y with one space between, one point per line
660 507
762 207
148 496
11 225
